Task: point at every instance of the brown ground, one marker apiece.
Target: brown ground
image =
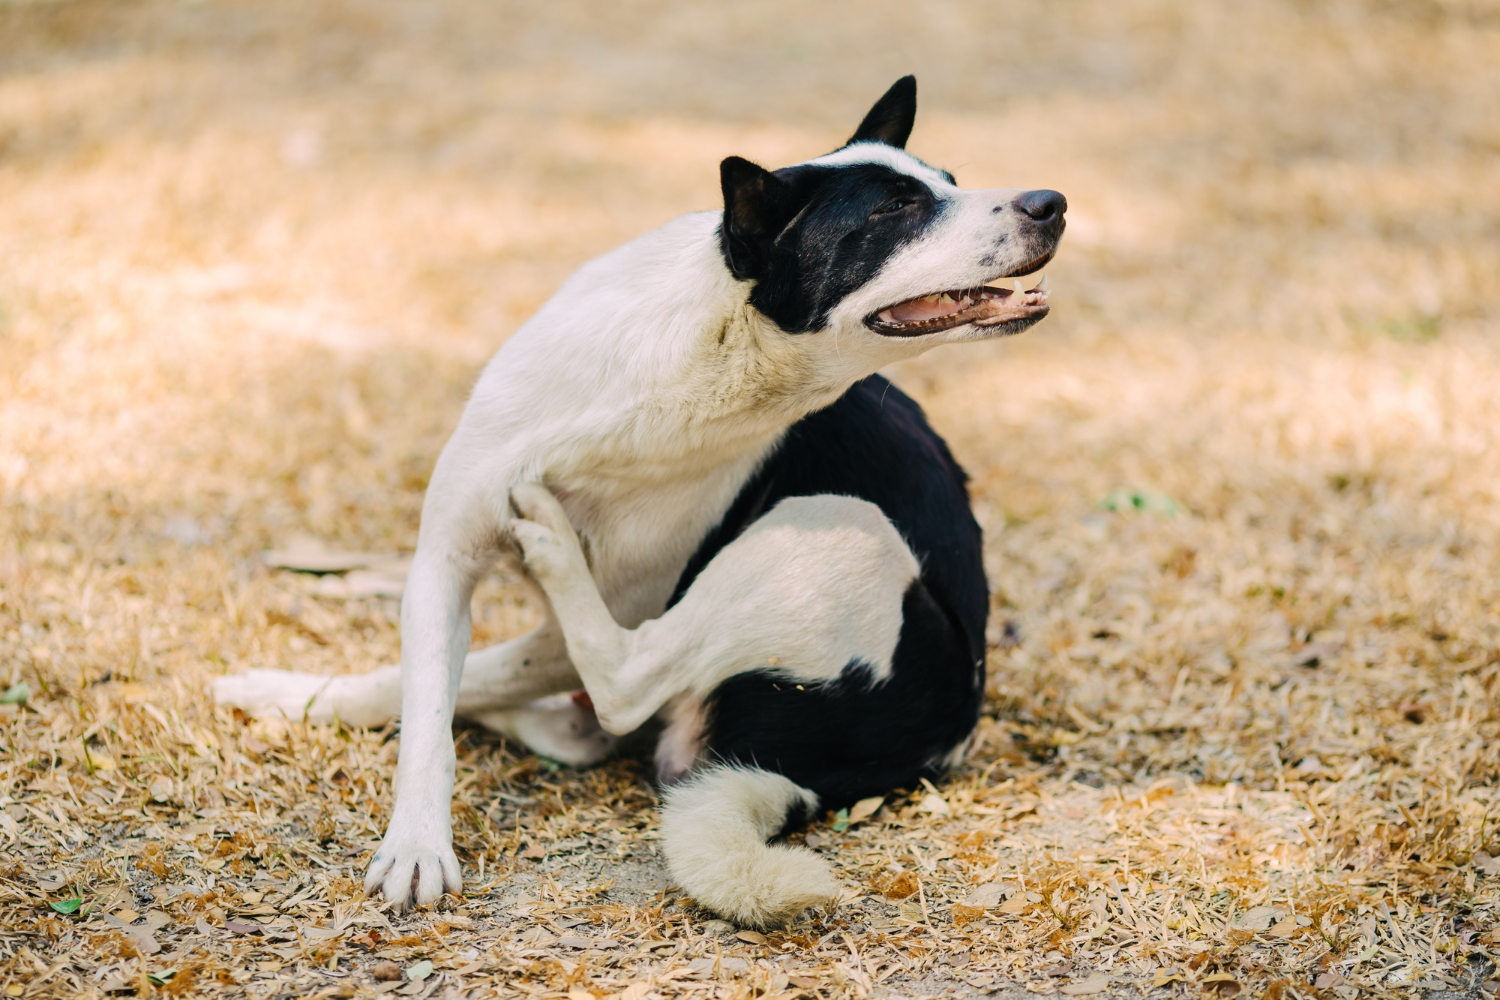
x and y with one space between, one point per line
1240 491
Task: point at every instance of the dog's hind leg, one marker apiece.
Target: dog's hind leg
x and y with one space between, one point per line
811 587
506 676
560 726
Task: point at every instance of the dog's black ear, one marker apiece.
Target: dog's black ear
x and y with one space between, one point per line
757 206
892 117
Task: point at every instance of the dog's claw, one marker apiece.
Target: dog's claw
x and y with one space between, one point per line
413 879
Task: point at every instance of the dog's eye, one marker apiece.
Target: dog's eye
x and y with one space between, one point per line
894 205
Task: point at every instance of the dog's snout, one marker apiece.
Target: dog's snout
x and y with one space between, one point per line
1043 206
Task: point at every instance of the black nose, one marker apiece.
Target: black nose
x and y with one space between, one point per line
1043 206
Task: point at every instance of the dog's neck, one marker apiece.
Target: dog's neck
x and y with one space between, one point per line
675 375
676 388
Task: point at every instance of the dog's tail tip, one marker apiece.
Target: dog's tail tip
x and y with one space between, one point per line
714 831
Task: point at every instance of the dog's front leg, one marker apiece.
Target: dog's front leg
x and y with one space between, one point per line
457 543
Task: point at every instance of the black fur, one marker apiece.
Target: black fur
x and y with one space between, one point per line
850 739
809 235
891 119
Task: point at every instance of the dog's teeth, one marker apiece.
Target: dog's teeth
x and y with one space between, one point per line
930 299
1019 289
946 299
1041 286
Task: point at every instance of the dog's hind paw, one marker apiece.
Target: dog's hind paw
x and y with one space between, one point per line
275 694
547 539
558 726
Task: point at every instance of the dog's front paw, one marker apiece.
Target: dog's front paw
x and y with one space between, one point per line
412 870
274 694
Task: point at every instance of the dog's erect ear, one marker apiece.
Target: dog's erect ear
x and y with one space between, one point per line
757 207
892 117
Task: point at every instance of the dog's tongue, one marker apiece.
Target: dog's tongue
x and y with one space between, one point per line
919 310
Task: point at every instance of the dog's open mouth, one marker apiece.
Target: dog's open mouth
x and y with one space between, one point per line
985 306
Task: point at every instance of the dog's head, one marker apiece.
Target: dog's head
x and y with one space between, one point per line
870 238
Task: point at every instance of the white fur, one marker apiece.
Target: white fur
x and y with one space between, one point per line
811 585
714 828
511 673
556 726
679 748
643 394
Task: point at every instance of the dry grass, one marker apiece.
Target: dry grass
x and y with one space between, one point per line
1244 735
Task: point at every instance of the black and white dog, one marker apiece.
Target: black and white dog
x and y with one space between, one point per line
739 528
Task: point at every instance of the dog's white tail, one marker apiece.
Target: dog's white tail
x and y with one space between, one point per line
714 828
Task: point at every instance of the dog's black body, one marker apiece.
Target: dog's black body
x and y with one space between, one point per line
850 738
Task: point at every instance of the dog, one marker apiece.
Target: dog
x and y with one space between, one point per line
739 528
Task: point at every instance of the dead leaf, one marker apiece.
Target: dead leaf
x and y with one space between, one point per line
935 805
865 808
751 937
1223 985
1097 983
145 942
1486 864
1258 918
1165 976
986 895
51 881
1286 926
1015 904
318 933
160 788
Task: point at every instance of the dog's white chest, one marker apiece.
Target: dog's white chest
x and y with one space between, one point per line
638 535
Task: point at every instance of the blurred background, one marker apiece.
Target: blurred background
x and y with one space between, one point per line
253 246
1239 490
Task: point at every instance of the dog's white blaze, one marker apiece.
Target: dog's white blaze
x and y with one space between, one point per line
888 156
